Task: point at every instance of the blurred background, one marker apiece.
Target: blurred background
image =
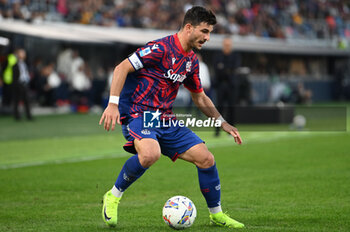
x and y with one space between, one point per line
278 69
276 53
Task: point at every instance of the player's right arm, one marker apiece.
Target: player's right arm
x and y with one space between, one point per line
111 114
147 56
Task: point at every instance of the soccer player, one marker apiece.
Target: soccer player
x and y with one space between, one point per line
149 80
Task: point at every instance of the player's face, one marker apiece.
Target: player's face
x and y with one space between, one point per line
199 35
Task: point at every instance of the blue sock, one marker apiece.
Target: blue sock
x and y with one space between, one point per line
209 183
130 172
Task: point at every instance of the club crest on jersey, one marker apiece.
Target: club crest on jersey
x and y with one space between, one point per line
188 66
145 52
174 76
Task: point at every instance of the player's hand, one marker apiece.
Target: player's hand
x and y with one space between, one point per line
233 131
110 115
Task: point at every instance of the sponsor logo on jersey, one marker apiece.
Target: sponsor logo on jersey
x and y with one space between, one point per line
145 52
174 76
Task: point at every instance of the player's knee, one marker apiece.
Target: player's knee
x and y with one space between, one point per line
207 161
147 158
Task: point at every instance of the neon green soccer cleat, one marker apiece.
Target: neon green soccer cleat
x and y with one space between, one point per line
110 209
222 219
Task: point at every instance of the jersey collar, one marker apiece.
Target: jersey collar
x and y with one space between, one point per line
178 44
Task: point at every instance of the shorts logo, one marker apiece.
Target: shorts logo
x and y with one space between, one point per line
146 132
145 52
151 119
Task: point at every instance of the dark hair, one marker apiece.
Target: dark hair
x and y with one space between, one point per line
197 15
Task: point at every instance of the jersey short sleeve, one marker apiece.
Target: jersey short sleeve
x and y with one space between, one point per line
147 56
192 82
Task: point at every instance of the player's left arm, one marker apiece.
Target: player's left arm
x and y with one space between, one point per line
205 104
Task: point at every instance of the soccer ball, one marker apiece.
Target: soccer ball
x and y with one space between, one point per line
179 212
299 121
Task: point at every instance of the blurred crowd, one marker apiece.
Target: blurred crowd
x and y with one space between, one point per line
269 18
67 82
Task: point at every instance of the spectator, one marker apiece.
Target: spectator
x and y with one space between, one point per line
244 86
79 82
342 80
50 84
64 62
279 91
36 78
7 80
78 78
303 95
21 80
225 64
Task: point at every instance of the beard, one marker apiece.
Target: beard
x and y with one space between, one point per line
196 43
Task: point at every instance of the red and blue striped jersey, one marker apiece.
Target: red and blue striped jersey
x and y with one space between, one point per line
161 66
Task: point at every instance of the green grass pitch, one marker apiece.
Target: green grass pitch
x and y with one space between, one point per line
55 170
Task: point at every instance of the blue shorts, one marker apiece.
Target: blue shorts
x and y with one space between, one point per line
173 140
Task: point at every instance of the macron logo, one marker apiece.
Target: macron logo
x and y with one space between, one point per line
155 46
